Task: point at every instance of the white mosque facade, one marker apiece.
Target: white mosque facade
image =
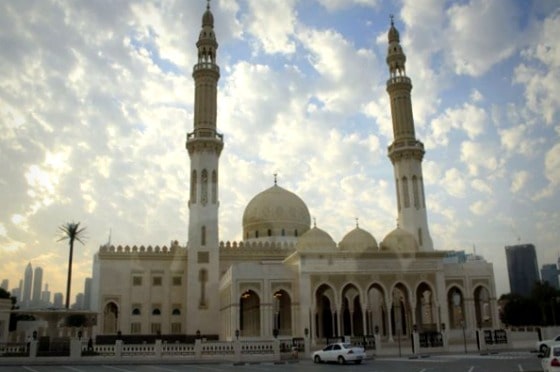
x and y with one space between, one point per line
286 277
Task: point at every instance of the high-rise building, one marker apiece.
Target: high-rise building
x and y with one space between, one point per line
523 270
549 274
5 284
37 285
27 286
57 301
87 294
79 304
46 296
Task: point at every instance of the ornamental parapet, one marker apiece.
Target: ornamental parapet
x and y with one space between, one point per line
174 248
206 66
245 247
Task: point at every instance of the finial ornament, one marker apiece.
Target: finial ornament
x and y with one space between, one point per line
207 4
391 16
314 222
275 178
357 222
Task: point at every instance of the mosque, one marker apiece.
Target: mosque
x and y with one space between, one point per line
287 277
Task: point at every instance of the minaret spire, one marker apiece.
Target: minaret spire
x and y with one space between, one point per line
406 152
204 145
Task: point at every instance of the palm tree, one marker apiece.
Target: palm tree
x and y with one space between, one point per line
72 232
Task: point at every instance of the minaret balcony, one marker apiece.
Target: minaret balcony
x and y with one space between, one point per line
398 79
205 134
206 66
406 145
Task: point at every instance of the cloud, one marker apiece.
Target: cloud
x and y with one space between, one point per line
519 180
468 119
272 24
334 5
484 28
477 155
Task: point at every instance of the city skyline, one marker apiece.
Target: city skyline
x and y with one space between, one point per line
95 111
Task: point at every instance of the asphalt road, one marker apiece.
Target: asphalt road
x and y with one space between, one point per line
514 361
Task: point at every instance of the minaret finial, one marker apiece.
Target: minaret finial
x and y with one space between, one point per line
357 222
275 178
391 16
207 4
314 222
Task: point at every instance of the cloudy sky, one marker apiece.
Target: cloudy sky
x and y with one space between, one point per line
96 99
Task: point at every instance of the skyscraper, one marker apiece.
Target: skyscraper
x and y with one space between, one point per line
549 274
37 285
46 296
87 294
5 284
523 270
57 301
27 286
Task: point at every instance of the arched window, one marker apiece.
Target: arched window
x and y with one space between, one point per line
176 312
193 187
269 232
156 311
204 187
283 232
257 234
406 196
415 192
295 232
214 187
136 311
203 235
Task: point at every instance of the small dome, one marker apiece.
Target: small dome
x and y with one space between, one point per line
316 240
393 34
208 18
399 240
275 213
358 240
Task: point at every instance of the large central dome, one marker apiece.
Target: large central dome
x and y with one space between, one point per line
275 214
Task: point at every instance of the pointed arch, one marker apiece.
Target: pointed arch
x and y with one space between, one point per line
456 307
376 310
425 307
325 316
250 314
282 305
110 318
483 308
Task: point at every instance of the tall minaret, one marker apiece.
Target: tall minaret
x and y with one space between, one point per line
204 145
406 152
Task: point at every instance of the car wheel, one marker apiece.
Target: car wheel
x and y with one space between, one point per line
317 359
543 348
341 360
358 362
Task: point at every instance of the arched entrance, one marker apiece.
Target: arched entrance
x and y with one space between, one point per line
456 306
250 314
400 311
282 313
425 317
325 321
352 316
110 318
483 309
376 317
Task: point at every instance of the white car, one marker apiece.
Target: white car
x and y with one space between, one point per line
550 359
545 344
341 353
